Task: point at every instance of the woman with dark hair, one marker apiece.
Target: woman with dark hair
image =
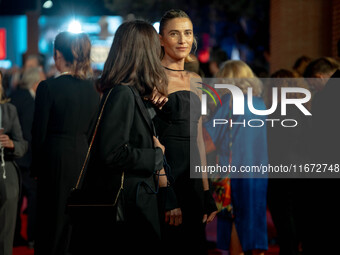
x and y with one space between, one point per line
12 146
180 130
300 65
124 142
65 112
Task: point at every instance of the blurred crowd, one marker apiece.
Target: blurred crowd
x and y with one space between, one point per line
302 209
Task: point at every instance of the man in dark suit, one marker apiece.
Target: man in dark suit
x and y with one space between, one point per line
321 74
321 219
23 99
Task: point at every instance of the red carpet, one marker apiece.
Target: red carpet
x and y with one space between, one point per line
211 236
272 249
23 250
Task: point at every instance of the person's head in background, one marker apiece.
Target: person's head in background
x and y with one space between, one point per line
321 68
243 75
300 65
72 54
217 57
193 66
31 78
134 59
29 61
285 79
33 60
3 98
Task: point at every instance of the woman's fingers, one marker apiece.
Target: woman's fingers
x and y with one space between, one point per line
205 217
161 102
158 99
178 217
4 139
167 216
155 99
158 144
6 142
211 217
174 217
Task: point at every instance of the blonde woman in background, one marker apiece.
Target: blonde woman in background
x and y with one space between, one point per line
242 225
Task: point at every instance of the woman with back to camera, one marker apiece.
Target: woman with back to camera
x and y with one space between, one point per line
12 146
241 223
65 111
124 142
182 136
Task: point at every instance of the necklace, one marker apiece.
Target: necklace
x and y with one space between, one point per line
173 69
63 73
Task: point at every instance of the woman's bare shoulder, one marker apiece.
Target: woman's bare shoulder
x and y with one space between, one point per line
194 75
195 83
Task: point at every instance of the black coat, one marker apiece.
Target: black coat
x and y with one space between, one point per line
65 112
324 140
124 143
326 123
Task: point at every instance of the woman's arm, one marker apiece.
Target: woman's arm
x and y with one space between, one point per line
201 148
210 207
14 142
209 203
194 83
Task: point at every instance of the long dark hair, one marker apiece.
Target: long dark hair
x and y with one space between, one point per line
76 50
134 59
172 14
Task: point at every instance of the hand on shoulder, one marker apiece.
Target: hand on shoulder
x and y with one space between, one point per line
158 99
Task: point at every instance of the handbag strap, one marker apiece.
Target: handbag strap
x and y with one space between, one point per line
143 109
93 136
148 119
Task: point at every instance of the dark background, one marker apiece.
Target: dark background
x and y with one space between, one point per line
243 24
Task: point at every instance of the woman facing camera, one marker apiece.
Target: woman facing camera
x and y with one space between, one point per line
65 112
241 222
182 137
124 143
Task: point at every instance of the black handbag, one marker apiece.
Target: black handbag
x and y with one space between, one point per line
82 203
